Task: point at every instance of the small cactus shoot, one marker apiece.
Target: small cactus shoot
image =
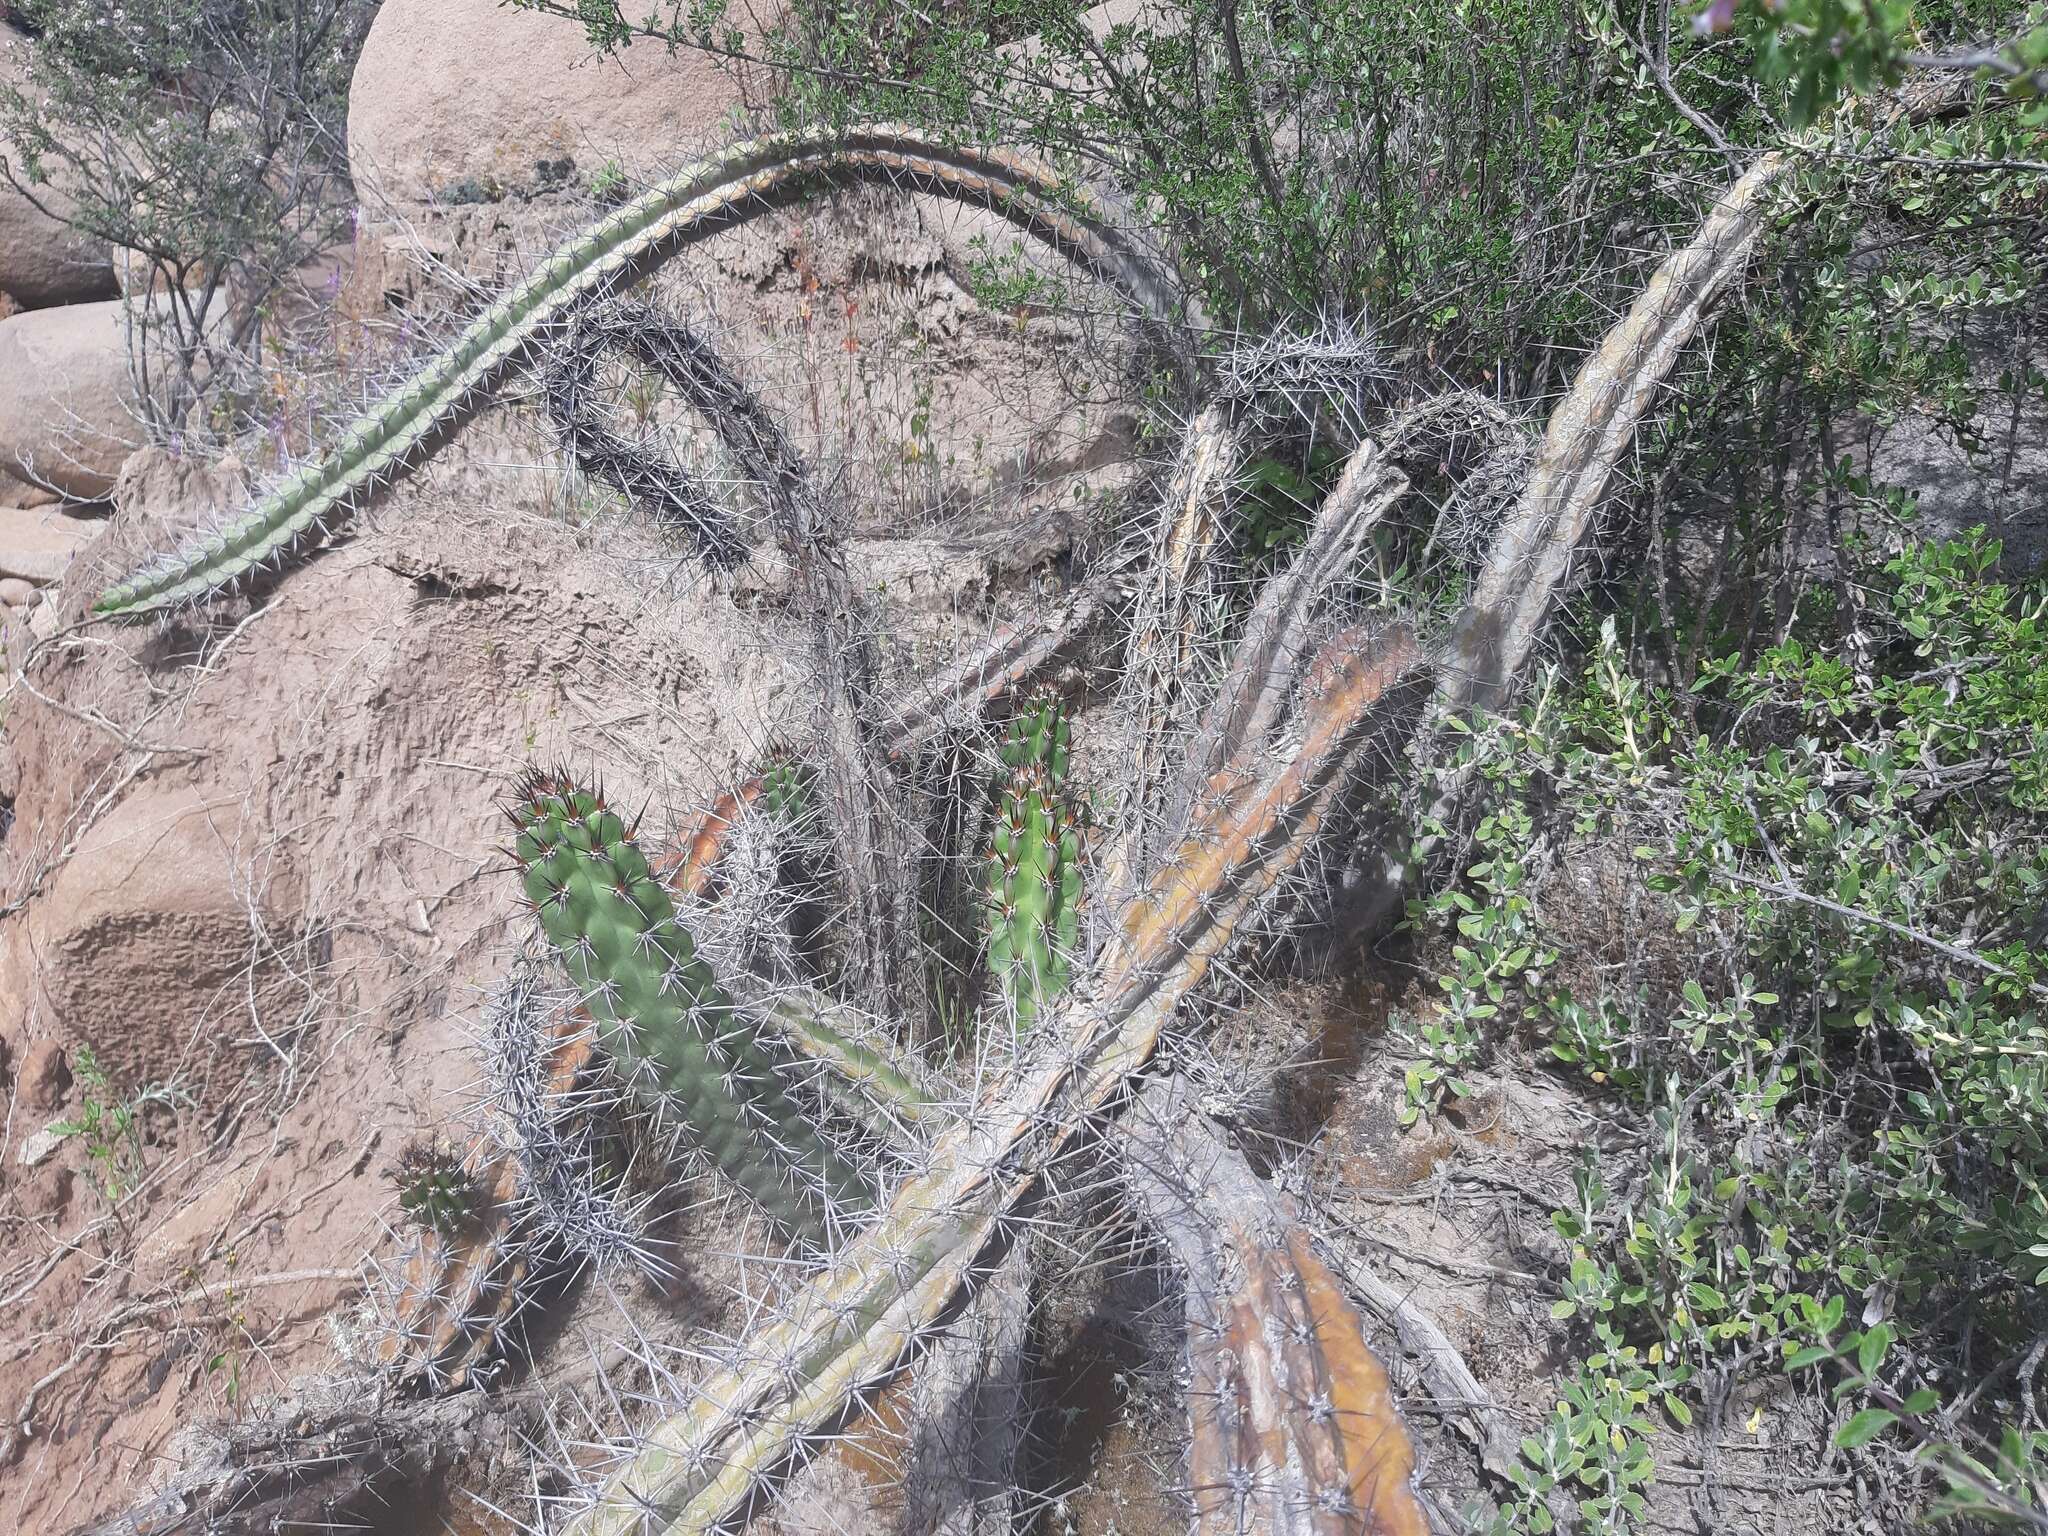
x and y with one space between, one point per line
660 1011
1033 896
435 1189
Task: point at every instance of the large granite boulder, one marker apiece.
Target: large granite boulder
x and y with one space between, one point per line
67 417
42 260
464 101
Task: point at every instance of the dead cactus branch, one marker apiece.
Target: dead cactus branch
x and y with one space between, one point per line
1530 561
1171 617
1293 1430
1267 662
330 1460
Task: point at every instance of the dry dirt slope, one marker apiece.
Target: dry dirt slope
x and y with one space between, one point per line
255 864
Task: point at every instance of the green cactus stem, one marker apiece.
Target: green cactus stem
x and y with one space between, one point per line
435 1190
740 183
1033 895
660 1011
820 1030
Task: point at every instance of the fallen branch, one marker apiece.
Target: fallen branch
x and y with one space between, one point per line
1292 1421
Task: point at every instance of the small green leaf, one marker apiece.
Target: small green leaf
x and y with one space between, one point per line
1864 1428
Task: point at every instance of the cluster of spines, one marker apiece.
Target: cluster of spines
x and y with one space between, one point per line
1033 884
554 1123
661 1013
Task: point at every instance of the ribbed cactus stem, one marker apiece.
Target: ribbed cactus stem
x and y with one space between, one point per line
737 184
1040 733
1034 867
661 1012
820 1030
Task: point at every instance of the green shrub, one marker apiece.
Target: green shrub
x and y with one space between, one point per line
204 139
1847 1095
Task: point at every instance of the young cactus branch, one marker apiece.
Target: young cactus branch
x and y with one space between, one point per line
1033 894
661 1012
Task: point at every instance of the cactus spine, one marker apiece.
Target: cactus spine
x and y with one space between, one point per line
1033 894
661 1012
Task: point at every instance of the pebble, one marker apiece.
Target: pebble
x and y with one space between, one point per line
39 1147
45 1076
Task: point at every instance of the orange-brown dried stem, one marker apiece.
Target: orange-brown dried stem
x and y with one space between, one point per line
1293 1429
889 1290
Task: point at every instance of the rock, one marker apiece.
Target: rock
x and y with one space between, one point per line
45 1194
45 1077
36 545
175 493
170 904
66 418
14 493
40 1147
1956 489
42 260
14 592
463 101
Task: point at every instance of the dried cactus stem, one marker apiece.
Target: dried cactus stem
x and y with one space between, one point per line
819 1030
1589 432
1292 1422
